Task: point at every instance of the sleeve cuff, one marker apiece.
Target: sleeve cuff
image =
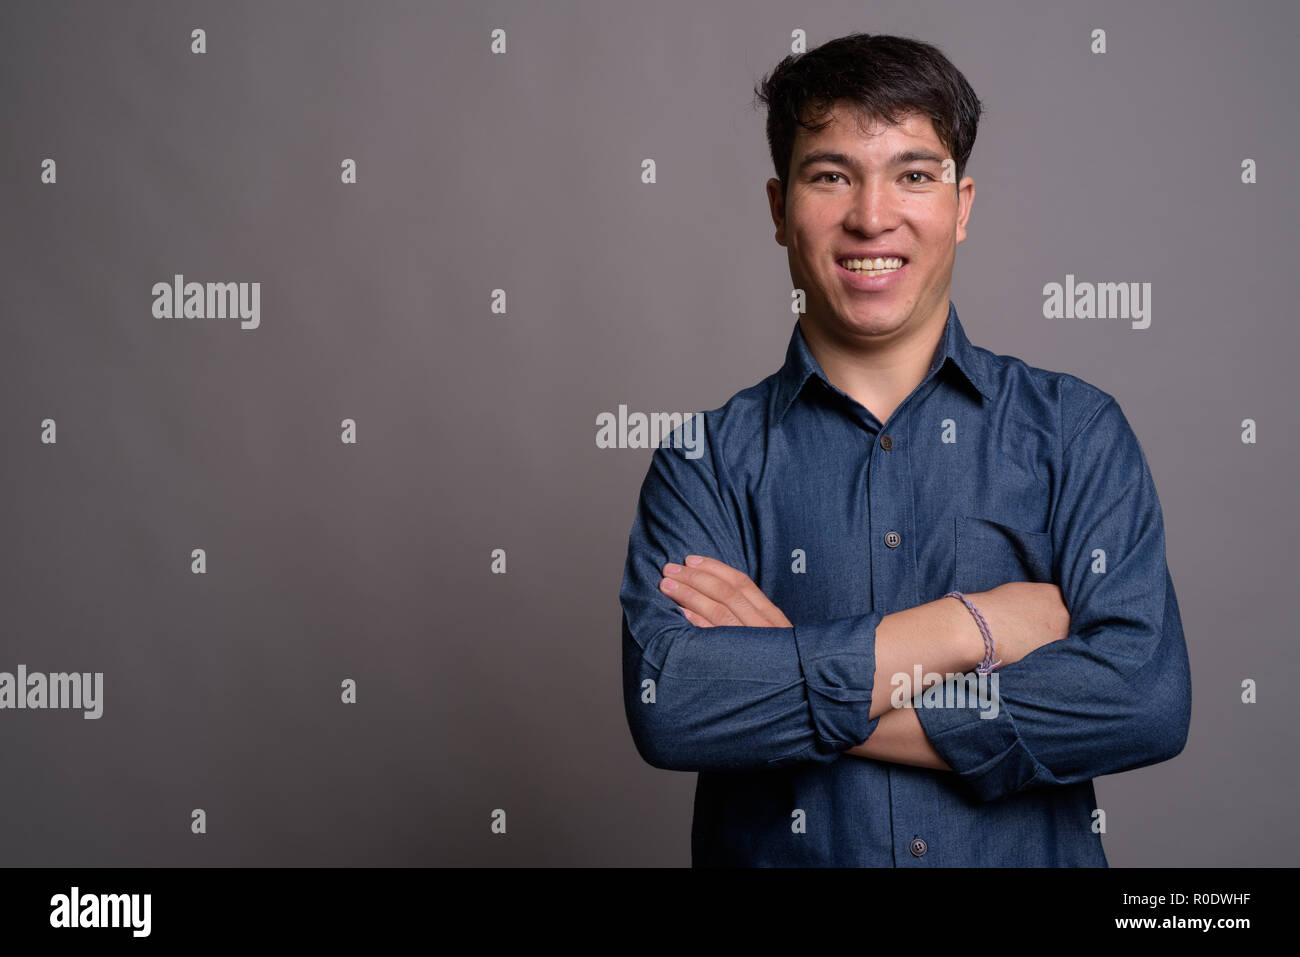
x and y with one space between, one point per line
987 753
838 659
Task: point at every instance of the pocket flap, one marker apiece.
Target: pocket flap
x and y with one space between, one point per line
989 553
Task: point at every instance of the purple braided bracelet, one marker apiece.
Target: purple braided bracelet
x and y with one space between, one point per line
988 664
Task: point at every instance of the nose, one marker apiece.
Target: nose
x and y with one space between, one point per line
873 208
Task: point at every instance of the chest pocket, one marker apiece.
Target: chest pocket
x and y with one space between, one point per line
989 553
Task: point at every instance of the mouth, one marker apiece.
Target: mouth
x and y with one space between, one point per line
872 267
871 275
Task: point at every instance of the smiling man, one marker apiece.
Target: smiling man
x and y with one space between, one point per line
894 515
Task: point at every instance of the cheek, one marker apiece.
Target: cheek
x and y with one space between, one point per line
939 240
810 254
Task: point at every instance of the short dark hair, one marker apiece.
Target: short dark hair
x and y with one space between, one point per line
887 77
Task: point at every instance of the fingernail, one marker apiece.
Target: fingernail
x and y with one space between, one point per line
693 559
668 584
670 567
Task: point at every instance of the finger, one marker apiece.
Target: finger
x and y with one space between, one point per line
742 585
738 609
688 596
698 620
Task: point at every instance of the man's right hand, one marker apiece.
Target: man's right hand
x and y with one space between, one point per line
1022 616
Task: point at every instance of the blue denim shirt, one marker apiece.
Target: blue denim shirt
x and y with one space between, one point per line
990 471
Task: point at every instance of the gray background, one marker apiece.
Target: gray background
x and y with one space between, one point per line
476 431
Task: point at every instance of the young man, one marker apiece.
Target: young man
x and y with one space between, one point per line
897 503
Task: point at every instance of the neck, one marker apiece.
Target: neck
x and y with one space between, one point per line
876 373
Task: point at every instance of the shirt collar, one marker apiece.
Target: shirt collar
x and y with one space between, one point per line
800 363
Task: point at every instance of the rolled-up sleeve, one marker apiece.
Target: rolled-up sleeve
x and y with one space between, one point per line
1116 693
728 697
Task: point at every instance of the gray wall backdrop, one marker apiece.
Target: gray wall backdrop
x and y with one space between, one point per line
476 431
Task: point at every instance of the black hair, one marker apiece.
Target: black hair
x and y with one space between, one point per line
887 77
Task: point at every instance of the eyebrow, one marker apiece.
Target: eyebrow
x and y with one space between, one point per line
898 159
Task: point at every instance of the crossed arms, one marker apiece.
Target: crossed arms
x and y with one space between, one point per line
1112 694
939 637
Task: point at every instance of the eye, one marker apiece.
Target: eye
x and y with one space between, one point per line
820 175
918 172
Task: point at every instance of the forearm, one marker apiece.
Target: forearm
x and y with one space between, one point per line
900 739
1111 697
940 636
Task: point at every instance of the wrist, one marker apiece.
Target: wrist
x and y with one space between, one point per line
971 639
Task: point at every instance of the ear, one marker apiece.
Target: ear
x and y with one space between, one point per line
965 199
777 207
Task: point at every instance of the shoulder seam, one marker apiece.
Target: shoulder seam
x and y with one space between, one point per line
1095 412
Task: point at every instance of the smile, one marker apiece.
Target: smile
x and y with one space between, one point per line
872 275
871 267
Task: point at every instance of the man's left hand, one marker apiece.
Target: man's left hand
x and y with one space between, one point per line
711 593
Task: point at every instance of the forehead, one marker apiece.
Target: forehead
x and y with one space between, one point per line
850 127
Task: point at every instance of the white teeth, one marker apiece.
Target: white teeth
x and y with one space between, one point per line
857 265
872 267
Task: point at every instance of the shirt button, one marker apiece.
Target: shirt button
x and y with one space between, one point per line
886 442
918 847
892 539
